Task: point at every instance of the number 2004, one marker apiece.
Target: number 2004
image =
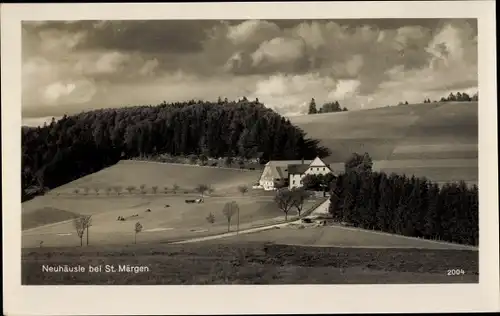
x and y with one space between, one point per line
456 272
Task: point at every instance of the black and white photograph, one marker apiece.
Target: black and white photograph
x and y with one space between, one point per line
251 150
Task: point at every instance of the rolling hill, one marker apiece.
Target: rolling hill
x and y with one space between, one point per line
436 140
63 203
187 177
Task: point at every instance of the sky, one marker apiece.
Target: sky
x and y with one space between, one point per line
73 66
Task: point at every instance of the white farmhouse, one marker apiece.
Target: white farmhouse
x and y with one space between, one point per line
293 171
275 171
298 172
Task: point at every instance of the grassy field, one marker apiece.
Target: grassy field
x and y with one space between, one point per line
45 215
179 221
61 203
337 236
135 173
403 134
249 263
47 218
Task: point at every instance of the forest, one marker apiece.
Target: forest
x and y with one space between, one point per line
407 206
400 204
80 144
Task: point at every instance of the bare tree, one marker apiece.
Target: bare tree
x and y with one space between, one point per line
143 188
165 190
243 189
78 224
155 189
96 190
230 208
76 191
299 196
87 222
108 190
175 187
285 200
137 229
202 189
210 218
130 189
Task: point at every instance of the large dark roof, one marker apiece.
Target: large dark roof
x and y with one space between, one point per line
297 169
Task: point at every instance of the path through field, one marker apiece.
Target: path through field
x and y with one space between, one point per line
178 221
329 236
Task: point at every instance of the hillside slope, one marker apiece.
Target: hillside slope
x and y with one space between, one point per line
63 203
431 134
135 173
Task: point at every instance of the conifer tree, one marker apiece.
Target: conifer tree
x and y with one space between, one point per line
312 107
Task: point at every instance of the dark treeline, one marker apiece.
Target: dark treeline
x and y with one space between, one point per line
77 145
400 204
328 107
458 97
408 206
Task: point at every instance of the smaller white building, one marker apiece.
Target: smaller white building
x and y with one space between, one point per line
298 172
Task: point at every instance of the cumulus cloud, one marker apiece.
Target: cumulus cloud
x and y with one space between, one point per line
80 91
279 50
360 63
291 94
252 32
56 73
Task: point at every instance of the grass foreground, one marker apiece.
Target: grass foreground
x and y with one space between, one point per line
246 263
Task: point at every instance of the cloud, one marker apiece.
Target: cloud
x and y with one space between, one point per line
344 90
60 42
55 72
252 32
291 94
69 67
279 50
80 91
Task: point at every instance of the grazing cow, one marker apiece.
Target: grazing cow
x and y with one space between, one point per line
148 210
190 201
167 205
199 200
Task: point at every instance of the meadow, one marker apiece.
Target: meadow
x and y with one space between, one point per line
339 236
71 200
442 137
136 173
250 263
164 215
